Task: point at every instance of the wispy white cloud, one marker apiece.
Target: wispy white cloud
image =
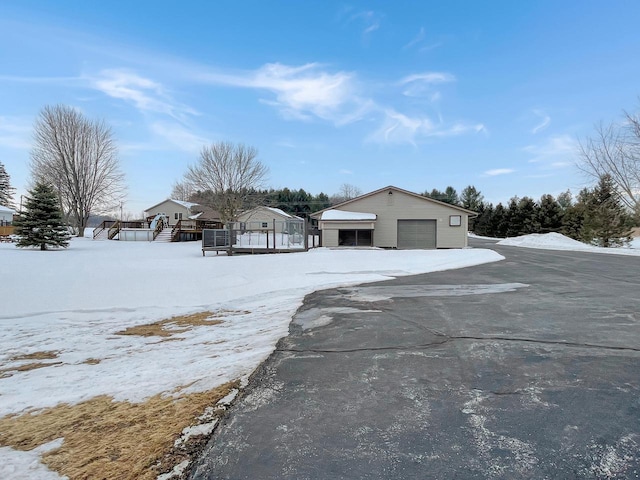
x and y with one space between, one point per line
344 171
556 150
285 144
545 120
15 133
401 128
422 84
302 92
416 40
498 171
145 94
368 20
420 42
61 81
428 77
179 136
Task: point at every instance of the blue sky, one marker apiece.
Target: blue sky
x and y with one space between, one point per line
418 94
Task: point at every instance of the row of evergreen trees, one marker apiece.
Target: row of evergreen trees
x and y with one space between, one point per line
597 216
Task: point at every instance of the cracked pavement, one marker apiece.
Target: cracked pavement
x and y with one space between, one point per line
524 368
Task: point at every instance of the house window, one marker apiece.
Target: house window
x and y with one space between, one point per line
355 238
265 224
455 220
177 216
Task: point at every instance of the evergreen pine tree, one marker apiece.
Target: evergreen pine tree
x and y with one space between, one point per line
499 221
451 196
41 225
528 211
550 215
471 199
6 190
574 214
482 224
513 219
607 223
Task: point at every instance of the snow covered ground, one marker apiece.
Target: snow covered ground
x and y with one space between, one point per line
72 302
556 241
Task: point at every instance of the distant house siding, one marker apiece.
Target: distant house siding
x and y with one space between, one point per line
6 218
401 206
171 209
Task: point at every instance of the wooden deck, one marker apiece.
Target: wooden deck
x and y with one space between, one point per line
5 233
251 251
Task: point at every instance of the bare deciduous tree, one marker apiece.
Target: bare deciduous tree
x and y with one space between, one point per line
614 150
346 192
227 174
183 191
79 158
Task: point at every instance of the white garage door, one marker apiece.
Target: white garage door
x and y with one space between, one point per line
416 234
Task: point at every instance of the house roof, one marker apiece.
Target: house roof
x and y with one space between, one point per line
187 205
345 215
202 212
273 210
391 187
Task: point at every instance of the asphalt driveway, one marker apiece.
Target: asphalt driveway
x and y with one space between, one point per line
524 368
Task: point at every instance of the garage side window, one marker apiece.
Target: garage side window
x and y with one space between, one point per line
455 220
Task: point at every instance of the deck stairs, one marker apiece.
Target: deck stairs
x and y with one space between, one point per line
102 235
164 235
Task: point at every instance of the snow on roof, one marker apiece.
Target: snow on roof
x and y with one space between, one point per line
194 217
6 209
279 212
346 215
184 204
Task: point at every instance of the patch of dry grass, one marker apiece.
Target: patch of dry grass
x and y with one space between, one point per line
173 325
111 440
42 355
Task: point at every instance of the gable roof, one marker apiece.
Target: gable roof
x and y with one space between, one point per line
273 210
186 205
391 187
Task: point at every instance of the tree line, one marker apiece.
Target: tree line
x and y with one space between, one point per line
76 158
597 216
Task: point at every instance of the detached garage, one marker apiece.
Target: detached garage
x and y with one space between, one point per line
394 218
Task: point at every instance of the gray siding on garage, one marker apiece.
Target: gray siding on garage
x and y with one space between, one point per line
403 206
416 234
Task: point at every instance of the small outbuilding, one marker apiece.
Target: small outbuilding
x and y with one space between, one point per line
270 218
394 218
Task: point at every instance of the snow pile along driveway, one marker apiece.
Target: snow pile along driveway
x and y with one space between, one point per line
557 241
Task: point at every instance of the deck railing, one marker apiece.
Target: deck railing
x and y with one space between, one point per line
114 230
159 228
175 231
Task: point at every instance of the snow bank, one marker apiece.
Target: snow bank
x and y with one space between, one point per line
557 241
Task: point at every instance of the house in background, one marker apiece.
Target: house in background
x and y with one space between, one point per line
6 223
394 218
175 210
6 216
